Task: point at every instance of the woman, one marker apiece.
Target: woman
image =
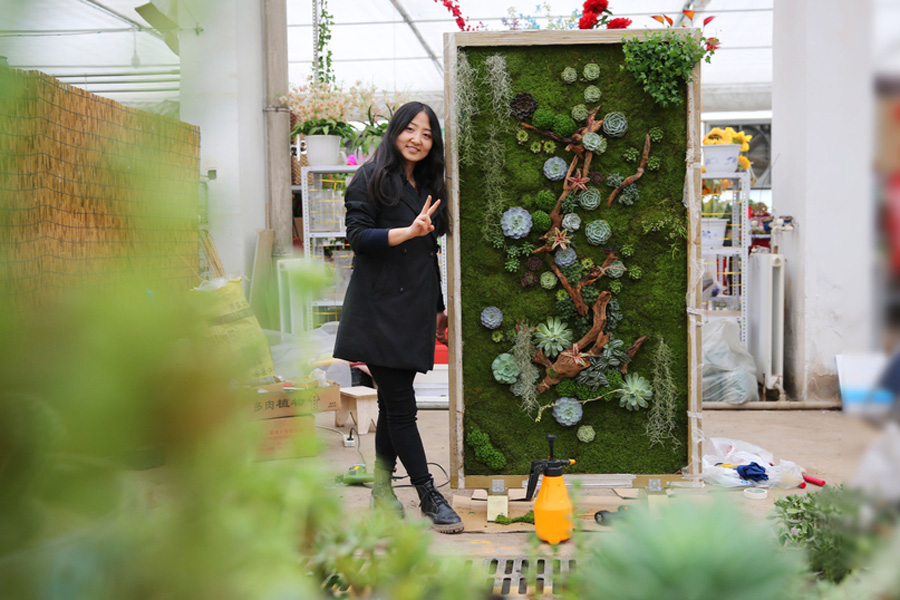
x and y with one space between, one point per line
394 309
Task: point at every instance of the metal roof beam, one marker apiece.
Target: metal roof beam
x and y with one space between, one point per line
417 33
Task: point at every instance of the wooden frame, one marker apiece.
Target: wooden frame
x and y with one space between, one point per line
692 188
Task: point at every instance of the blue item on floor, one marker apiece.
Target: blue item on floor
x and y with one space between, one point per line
752 472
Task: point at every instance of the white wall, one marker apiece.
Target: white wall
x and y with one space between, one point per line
222 92
822 139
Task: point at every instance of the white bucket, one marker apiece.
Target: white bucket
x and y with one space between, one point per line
323 150
721 158
712 232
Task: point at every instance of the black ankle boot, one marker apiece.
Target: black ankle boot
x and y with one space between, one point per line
383 495
443 518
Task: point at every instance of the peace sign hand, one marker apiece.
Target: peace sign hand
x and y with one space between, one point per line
422 225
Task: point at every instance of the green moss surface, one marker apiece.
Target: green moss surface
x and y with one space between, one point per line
653 305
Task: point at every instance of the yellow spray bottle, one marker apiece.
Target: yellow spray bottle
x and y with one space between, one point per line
553 511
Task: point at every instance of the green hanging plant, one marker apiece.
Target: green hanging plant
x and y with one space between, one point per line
662 63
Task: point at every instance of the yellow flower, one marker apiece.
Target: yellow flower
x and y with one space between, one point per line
717 135
743 162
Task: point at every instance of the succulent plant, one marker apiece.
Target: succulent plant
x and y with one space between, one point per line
615 124
516 222
615 286
512 265
528 279
540 220
491 317
631 154
627 250
536 146
566 308
485 452
594 142
552 336
592 94
614 180
635 392
548 280
521 136
564 125
598 232
630 194
569 75
561 295
569 204
573 272
526 249
497 336
543 118
580 112
549 146
555 169
565 257
589 294
545 200
534 263
596 177
615 269
498 241
589 199
512 252
587 263
571 221
591 71
523 106
613 355
635 272
614 315
505 369
586 434
567 411
656 134
593 376
653 163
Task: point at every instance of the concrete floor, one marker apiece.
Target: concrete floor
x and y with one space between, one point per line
827 444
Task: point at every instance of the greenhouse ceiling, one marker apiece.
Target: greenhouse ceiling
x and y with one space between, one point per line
109 48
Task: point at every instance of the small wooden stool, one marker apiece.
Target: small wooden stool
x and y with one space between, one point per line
360 402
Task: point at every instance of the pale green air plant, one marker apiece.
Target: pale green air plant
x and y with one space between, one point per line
504 368
494 184
662 418
552 336
635 392
526 386
466 109
500 83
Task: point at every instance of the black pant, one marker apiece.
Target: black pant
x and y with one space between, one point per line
396 433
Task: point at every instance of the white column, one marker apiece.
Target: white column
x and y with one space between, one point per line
222 91
822 138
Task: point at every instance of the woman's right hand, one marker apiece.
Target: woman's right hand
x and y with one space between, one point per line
422 225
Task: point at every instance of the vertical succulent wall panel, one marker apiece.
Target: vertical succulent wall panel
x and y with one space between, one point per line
569 258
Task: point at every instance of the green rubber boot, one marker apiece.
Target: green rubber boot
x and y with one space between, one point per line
383 496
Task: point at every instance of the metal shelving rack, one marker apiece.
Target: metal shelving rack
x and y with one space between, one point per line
728 264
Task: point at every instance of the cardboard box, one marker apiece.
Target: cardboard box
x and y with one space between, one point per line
287 437
301 398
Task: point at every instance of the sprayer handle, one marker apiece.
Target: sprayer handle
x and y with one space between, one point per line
536 468
552 439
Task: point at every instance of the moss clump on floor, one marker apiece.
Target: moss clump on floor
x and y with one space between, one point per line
653 305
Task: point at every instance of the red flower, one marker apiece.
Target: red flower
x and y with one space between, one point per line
461 23
587 20
712 44
619 23
595 6
707 20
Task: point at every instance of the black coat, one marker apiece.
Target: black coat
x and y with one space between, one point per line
389 311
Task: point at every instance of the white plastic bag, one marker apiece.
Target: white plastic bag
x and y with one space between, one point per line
726 451
729 371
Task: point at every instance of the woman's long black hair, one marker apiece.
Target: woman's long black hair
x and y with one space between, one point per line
386 183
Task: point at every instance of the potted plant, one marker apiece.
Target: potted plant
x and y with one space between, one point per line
722 150
365 141
322 110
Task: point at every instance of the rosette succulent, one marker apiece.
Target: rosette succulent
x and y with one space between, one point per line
592 94
540 220
569 75
549 146
627 250
505 369
534 263
615 124
555 169
528 279
548 280
635 392
586 434
536 146
598 232
653 163
615 287
589 199
656 134
498 336
614 180
629 195
591 71
565 257
543 118
594 142
615 269
561 295
587 263
635 272
571 222
516 222
567 411
564 125
523 106
521 136
492 317
631 154
552 336
580 112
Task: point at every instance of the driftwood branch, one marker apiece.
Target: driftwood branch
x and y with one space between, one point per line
632 351
636 176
